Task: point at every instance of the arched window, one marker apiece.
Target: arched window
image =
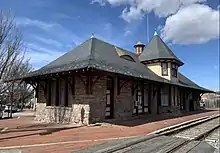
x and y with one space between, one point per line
127 57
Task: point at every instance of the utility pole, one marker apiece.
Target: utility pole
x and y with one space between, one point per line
147 29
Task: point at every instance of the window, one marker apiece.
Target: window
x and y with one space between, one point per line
57 102
66 103
57 92
139 97
138 104
164 69
53 92
164 96
48 88
174 70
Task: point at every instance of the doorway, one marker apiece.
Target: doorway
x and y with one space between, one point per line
141 101
191 105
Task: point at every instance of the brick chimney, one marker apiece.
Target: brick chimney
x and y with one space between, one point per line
139 47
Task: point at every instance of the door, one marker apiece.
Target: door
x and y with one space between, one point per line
109 110
140 106
191 105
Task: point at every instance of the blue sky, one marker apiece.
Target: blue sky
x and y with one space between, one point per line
190 28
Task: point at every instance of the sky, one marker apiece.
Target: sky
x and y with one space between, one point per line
51 28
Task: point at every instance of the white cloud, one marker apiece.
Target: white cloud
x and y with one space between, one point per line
40 55
113 2
131 14
40 24
55 39
192 24
135 9
101 2
55 30
187 21
49 41
64 16
40 48
127 32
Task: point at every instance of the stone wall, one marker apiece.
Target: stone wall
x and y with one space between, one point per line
80 114
40 113
83 108
53 114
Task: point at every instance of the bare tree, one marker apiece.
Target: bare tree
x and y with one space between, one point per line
12 53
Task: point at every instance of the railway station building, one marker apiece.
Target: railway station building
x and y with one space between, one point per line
98 81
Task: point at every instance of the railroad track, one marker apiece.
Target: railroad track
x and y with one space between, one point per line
214 138
182 138
195 133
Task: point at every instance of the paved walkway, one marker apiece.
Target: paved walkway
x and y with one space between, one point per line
31 137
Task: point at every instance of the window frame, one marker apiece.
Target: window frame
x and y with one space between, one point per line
174 70
162 68
164 96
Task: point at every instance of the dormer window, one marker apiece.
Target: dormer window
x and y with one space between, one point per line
164 67
127 57
174 70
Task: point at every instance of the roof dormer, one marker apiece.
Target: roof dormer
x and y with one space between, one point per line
124 55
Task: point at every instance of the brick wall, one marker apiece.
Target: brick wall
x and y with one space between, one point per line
97 101
86 108
124 102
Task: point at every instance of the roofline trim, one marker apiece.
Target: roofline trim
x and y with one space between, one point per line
162 60
168 82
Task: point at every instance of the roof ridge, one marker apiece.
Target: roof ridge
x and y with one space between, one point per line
91 56
115 46
167 47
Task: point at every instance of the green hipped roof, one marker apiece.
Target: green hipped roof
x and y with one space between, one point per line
157 49
95 53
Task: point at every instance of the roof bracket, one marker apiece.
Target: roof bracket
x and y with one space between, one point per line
85 82
35 86
89 83
120 84
43 87
95 81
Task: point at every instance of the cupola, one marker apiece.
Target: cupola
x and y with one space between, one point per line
139 47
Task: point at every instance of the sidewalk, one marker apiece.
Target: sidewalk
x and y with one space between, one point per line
40 140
